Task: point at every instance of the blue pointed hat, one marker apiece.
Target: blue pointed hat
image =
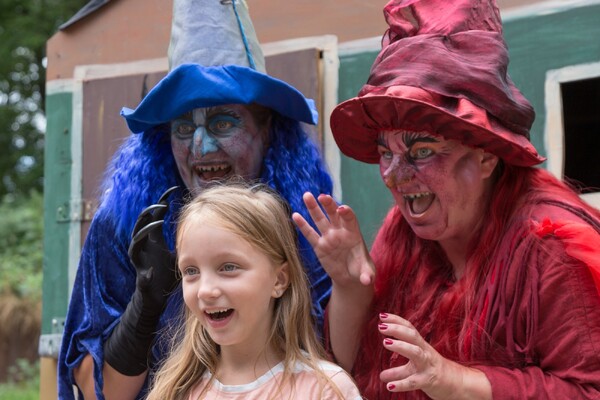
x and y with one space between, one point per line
215 59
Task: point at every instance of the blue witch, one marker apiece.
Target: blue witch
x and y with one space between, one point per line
216 115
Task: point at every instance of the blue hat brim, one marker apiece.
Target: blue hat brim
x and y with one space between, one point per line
191 86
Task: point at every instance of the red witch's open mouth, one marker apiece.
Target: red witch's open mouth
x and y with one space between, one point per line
418 203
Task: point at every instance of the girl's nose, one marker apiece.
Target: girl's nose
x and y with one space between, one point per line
208 288
202 143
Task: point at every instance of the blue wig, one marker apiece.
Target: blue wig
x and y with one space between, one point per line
292 166
138 174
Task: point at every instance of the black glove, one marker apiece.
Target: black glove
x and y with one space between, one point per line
127 348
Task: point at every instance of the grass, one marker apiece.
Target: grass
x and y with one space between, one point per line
22 391
23 382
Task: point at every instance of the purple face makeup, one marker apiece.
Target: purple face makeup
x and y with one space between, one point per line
218 143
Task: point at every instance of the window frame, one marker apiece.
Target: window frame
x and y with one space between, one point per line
554 132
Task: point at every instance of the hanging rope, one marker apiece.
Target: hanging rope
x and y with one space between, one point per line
246 45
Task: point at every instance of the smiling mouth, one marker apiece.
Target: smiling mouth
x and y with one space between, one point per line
219 315
212 172
418 203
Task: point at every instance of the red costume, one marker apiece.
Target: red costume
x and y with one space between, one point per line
526 312
537 303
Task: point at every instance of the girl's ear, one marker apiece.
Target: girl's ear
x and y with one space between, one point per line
282 281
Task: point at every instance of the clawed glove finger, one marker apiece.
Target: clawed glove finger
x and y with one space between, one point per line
150 232
150 254
165 196
160 212
154 212
127 348
147 216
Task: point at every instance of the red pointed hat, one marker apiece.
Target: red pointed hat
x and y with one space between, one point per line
442 70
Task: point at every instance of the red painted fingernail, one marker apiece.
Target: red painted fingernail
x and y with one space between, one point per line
391 386
383 315
388 341
382 327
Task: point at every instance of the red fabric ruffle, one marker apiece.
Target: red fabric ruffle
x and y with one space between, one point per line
581 242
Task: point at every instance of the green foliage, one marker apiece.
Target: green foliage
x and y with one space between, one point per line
21 252
27 391
23 381
24 372
25 26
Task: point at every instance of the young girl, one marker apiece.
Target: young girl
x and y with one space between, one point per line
249 332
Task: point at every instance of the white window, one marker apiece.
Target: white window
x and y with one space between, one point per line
572 133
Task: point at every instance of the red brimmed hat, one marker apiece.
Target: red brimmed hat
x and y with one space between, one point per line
442 70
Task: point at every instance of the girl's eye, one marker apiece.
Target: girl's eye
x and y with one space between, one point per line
421 152
189 271
229 267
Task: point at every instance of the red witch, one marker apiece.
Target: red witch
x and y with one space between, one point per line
484 280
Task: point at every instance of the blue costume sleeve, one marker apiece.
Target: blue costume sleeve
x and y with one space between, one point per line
103 286
139 172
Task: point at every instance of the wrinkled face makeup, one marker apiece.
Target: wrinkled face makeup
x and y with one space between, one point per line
439 185
218 143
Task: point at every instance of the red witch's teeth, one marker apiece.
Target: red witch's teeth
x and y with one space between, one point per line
421 203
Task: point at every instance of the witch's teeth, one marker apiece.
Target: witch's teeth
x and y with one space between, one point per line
420 203
213 168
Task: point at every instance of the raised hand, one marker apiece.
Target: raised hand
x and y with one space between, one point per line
126 349
338 244
149 253
426 369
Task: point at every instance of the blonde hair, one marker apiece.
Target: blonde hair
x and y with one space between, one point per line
261 217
